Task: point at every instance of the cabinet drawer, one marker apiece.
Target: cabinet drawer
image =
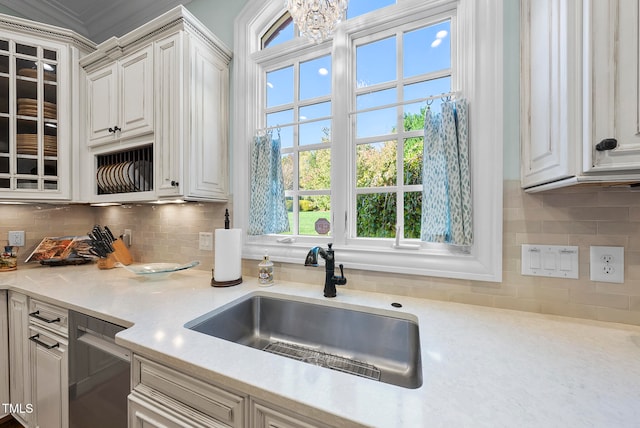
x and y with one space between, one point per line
49 317
224 406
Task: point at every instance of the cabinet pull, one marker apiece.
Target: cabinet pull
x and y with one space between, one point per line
37 315
115 129
607 144
175 183
41 343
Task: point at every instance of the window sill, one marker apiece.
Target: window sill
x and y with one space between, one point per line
443 262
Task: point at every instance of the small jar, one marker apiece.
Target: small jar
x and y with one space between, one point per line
8 260
265 271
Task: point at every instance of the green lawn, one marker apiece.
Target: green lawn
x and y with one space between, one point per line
308 220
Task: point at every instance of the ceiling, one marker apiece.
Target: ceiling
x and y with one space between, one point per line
95 19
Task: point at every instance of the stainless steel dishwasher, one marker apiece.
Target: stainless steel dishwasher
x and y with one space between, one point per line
99 374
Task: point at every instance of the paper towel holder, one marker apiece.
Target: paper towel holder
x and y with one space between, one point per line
230 283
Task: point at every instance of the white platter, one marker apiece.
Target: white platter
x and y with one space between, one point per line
158 270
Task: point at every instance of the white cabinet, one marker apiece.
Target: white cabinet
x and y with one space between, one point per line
49 374
157 388
49 361
39 103
265 415
19 368
177 128
579 86
4 354
120 98
612 49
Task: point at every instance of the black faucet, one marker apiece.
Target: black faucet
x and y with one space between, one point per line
330 280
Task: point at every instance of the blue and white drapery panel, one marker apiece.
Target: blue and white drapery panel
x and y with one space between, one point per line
267 207
446 198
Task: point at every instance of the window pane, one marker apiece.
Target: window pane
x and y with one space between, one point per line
412 214
427 88
315 215
376 217
378 122
276 119
376 62
427 49
280 87
315 132
280 32
376 164
287 171
315 78
376 99
413 154
314 169
360 7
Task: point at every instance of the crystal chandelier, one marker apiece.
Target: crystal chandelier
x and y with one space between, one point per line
317 19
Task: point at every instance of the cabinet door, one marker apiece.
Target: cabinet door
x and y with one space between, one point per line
102 104
4 353
136 93
169 113
19 369
207 158
49 378
612 38
550 89
266 416
143 414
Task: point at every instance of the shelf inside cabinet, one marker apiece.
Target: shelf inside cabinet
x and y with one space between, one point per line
125 171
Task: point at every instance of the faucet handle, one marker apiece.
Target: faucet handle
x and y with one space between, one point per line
341 280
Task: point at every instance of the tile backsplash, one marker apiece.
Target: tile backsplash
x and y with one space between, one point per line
580 216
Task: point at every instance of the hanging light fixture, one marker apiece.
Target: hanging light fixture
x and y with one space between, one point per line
317 19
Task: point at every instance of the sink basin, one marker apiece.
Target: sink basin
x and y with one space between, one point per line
381 346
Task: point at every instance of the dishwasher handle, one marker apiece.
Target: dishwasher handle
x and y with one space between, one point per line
41 343
104 343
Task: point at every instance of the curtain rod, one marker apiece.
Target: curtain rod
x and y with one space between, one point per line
443 96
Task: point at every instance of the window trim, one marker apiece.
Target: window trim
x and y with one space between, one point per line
480 29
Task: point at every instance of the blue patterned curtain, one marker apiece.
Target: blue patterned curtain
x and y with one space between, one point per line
267 207
446 196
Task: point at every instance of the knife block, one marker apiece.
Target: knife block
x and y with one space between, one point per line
120 254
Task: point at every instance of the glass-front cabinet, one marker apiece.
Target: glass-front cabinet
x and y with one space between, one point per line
36 110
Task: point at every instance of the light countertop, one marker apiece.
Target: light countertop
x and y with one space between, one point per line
482 367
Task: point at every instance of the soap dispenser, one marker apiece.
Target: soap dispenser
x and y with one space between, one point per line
265 271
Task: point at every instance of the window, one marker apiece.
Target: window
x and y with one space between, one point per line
350 116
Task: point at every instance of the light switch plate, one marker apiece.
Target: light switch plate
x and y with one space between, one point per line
555 261
206 241
607 264
16 238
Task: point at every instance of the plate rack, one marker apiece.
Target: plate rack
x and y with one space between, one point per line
125 172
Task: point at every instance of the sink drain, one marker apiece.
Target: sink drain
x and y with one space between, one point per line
334 362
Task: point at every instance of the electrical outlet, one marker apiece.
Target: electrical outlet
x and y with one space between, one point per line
206 241
607 264
127 238
16 238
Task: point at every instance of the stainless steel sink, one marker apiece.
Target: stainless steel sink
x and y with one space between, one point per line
385 347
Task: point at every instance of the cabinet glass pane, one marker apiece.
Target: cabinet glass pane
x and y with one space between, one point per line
26 98
50 139
27 68
4 95
50 101
4 135
50 185
4 45
27 137
4 182
26 49
4 165
28 184
50 72
50 167
47 54
4 64
27 166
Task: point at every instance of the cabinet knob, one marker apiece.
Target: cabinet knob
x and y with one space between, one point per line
174 183
607 144
115 129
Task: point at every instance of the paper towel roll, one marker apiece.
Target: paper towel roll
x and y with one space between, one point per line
228 256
